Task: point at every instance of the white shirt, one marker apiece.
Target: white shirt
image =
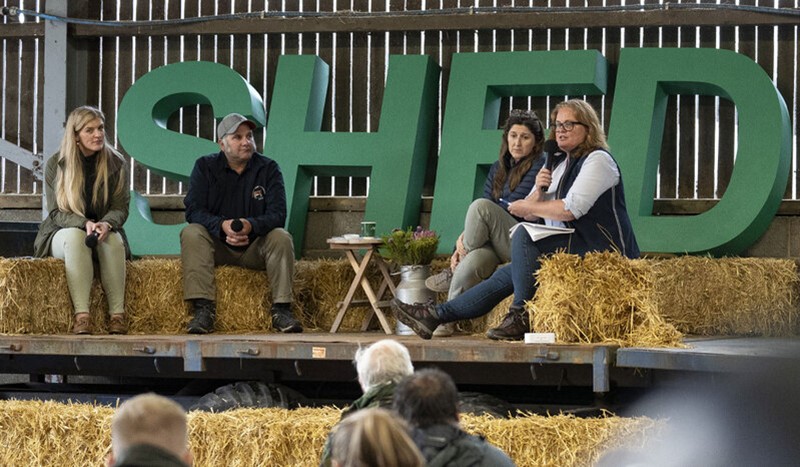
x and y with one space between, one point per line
598 174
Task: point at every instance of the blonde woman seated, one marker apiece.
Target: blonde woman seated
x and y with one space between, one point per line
87 203
374 438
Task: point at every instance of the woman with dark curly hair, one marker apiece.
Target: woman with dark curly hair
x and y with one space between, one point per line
484 244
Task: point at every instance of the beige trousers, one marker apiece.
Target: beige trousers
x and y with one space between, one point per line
487 242
200 252
69 244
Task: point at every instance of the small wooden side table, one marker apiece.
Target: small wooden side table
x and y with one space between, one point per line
351 250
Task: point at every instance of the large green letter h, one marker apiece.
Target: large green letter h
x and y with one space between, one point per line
394 157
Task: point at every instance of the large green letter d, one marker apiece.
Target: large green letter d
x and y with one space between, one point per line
645 79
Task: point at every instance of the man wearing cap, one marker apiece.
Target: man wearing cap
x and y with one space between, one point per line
236 209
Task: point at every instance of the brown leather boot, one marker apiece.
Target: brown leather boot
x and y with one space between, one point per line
514 326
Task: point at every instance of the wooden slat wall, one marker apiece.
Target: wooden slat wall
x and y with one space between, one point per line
699 138
20 110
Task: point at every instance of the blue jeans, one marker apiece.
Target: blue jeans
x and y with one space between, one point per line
516 278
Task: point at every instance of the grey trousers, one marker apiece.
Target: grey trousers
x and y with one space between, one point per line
487 242
200 252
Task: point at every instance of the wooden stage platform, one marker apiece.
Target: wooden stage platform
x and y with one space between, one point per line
325 357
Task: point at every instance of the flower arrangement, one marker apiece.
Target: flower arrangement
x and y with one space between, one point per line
410 247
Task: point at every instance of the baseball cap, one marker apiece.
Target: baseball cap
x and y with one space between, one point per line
231 123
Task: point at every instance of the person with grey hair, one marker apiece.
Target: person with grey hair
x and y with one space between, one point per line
380 367
149 430
236 209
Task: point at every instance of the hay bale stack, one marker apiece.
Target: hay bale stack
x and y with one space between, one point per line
603 297
54 434
561 440
261 436
34 298
728 296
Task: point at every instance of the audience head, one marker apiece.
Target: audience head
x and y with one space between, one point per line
373 438
585 114
428 397
153 420
382 362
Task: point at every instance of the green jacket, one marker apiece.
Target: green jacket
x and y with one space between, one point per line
115 212
378 396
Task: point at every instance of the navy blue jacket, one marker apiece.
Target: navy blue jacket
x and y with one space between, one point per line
521 191
217 193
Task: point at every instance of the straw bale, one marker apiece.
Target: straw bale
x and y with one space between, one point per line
728 296
561 440
252 437
154 297
54 434
34 297
603 297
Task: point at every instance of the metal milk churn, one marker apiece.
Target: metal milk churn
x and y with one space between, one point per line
411 289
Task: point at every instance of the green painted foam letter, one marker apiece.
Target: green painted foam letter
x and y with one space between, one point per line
142 127
395 156
645 80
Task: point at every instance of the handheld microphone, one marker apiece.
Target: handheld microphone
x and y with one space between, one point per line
551 151
91 239
236 225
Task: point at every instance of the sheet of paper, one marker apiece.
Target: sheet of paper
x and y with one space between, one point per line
540 231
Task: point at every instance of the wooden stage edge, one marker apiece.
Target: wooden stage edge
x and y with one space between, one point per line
328 357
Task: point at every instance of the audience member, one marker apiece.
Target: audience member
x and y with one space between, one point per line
373 438
428 401
149 430
379 367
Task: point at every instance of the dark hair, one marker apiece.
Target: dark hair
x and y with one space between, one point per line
518 171
428 397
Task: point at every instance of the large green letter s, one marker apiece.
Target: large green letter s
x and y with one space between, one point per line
645 80
142 128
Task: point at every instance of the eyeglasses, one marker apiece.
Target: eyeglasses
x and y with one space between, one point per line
521 113
566 126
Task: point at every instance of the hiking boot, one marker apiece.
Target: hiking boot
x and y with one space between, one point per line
445 329
204 313
82 324
440 283
117 324
514 326
283 321
420 317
